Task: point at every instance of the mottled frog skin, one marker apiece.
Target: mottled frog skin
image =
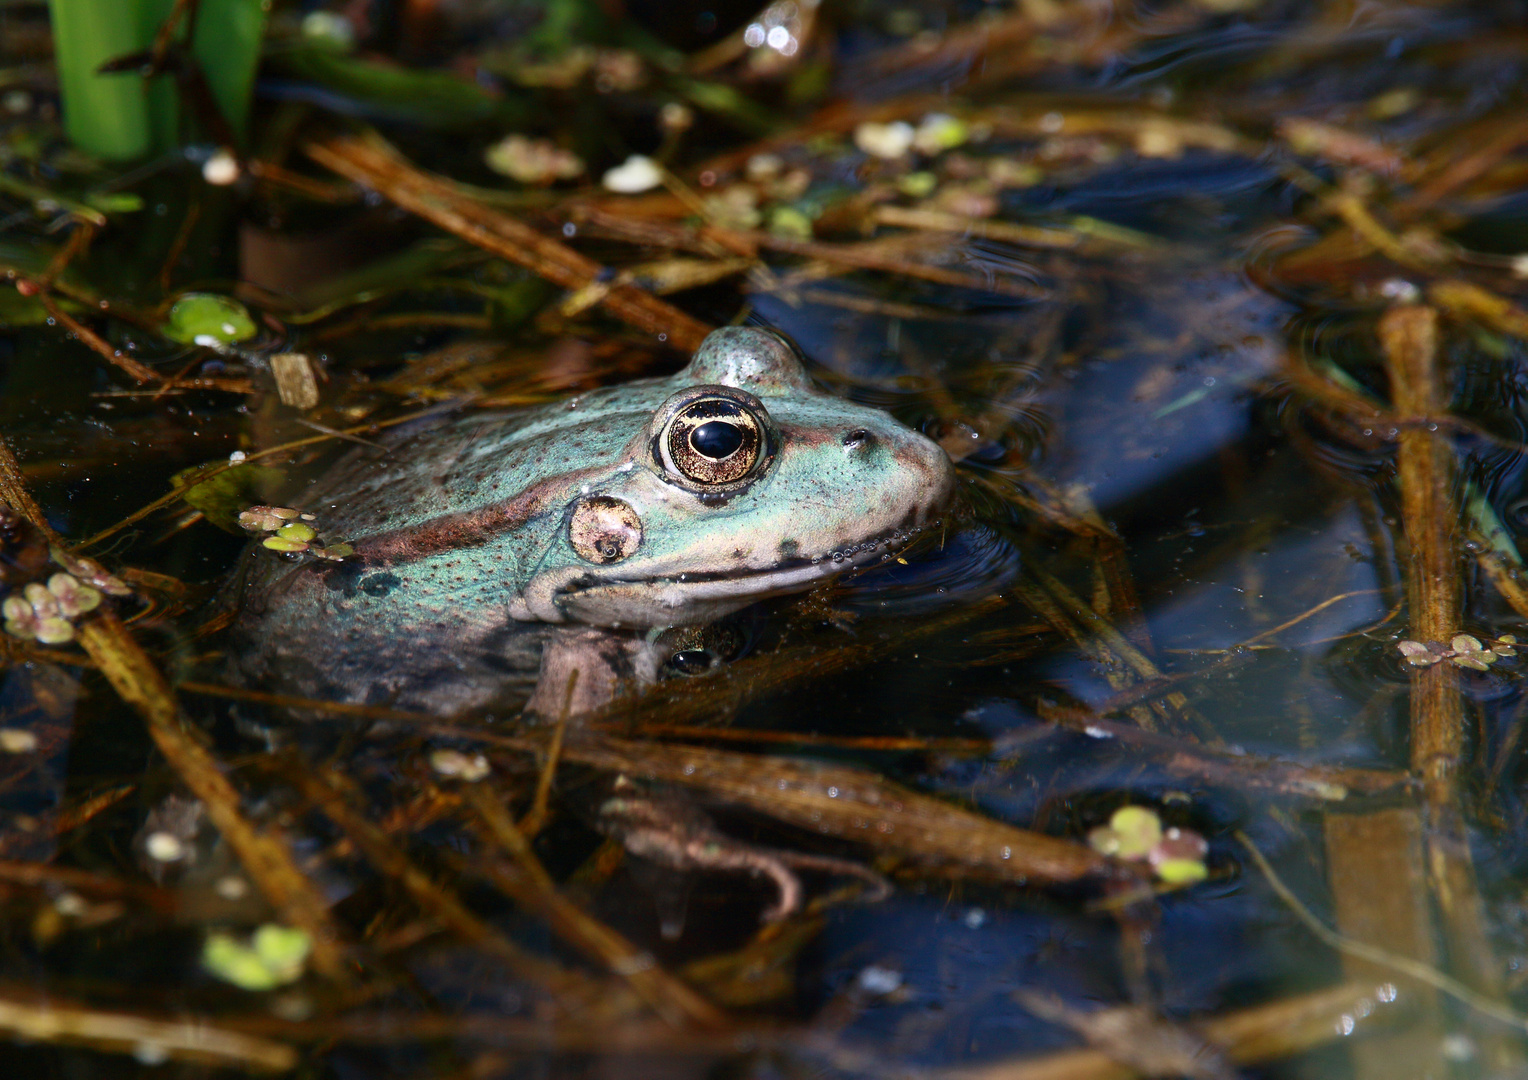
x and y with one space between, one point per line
668 502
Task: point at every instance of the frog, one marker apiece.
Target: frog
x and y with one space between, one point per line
550 556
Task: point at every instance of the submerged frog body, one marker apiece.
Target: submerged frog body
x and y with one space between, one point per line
667 502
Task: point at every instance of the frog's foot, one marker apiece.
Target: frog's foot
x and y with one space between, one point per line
879 887
673 832
720 852
583 669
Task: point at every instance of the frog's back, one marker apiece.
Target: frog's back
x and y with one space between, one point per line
369 634
460 462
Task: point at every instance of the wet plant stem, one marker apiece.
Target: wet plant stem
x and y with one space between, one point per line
1425 469
263 853
1430 514
1268 1032
1073 616
531 886
436 200
1401 965
536 817
331 793
1376 874
192 1041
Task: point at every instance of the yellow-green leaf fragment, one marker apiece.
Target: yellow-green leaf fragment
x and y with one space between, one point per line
44 603
283 949
74 597
884 140
54 630
919 185
296 531
234 962
1139 829
274 957
1178 858
115 202
1104 840
938 132
789 222
1181 871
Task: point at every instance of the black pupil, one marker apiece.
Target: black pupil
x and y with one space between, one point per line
691 661
716 439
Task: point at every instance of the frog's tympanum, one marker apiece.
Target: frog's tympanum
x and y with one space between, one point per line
569 537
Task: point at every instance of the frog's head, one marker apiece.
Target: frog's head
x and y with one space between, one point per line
745 482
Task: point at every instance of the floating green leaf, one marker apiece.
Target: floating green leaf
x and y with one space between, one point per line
273 957
224 496
1181 871
208 319
1138 828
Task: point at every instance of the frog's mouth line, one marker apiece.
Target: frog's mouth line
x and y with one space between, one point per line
700 597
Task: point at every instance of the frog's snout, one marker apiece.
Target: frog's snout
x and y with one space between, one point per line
928 459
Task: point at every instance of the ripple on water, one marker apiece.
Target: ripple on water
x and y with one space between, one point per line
965 564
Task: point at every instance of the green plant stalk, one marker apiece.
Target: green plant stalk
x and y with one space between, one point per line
226 47
122 116
105 115
160 92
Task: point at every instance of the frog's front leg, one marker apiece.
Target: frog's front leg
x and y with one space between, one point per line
584 668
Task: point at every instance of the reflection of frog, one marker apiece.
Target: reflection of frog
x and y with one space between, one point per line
671 831
666 502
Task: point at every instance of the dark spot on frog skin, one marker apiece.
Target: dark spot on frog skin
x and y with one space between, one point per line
789 549
379 585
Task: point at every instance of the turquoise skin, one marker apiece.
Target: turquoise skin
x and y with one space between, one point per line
660 503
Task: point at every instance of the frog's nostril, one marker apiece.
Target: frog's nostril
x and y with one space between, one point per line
857 438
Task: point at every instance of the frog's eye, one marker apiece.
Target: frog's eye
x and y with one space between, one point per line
713 441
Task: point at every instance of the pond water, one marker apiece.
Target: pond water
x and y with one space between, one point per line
1218 308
